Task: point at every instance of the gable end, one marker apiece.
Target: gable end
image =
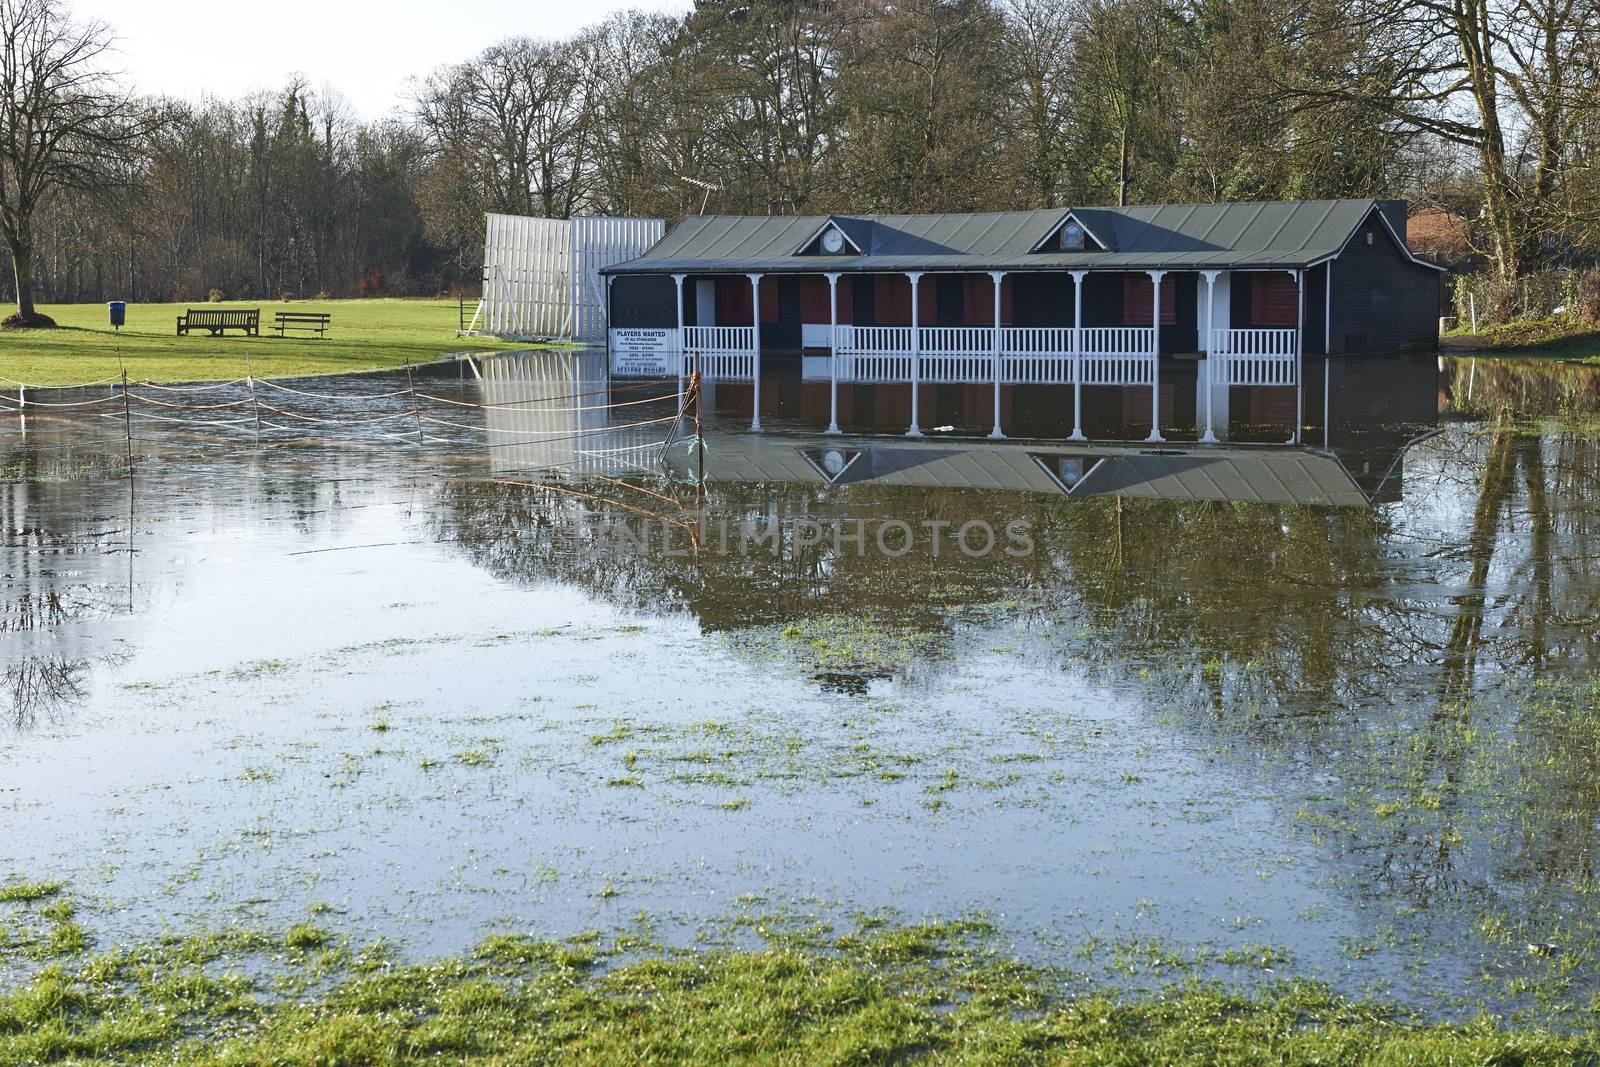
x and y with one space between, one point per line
1070 235
830 232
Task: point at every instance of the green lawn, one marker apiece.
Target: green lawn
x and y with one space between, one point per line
1541 339
365 335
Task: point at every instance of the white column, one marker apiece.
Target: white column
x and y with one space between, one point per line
833 353
1077 356
755 378
1299 349
1206 343
916 355
1155 358
1327 310
997 276
677 281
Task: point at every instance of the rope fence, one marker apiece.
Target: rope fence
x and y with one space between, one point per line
208 406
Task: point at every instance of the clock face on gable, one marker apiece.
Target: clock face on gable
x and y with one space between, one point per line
1072 237
833 242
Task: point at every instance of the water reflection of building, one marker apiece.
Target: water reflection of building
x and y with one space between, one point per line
558 410
1368 411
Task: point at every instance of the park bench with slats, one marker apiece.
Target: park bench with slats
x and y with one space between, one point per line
218 321
315 321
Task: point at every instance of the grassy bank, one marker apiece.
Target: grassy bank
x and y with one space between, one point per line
365 335
1542 339
934 993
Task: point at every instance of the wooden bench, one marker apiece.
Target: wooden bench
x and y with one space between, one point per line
315 321
218 321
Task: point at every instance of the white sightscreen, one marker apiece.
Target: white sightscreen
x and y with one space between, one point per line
541 277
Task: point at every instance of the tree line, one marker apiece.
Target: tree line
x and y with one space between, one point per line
1489 108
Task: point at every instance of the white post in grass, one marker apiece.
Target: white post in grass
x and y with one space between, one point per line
833 353
755 381
1299 352
916 355
677 281
1208 344
1077 356
997 276
1155 358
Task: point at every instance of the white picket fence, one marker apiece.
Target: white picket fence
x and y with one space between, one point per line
1029 355
1253 357
720 353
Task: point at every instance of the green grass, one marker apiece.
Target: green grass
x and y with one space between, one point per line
27 892
365 335
925 994
1540 339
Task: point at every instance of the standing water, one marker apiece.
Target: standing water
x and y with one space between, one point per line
482 666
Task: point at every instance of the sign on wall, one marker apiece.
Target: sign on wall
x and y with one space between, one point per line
639 352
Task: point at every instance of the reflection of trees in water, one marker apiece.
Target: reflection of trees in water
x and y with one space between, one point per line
1163 581
1197 583
1393 663
39 687
1530 597
1522 388
532 536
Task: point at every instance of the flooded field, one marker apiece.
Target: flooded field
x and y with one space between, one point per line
402 680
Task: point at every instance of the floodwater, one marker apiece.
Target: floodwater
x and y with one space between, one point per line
457 671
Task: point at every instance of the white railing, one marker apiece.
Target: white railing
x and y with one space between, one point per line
725 353
1117 355
956 354
1117 340
1253 357
1030 355
870 354
1038 355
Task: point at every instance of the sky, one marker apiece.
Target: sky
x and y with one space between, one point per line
364 49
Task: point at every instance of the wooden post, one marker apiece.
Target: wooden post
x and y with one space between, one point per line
416 410
699 427
677 281
916 356
833 352
1077 356
997 276
127 416
755 380
1155 359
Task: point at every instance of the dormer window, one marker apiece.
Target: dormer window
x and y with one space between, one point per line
1071 235
830 240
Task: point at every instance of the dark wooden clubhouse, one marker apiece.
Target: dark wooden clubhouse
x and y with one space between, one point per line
976 307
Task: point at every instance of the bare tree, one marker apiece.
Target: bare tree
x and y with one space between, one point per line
65 123
1501 78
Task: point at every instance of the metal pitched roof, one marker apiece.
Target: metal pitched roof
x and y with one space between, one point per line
1254 474
1289 234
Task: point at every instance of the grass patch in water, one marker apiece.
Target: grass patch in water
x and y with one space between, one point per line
935 993
27 892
